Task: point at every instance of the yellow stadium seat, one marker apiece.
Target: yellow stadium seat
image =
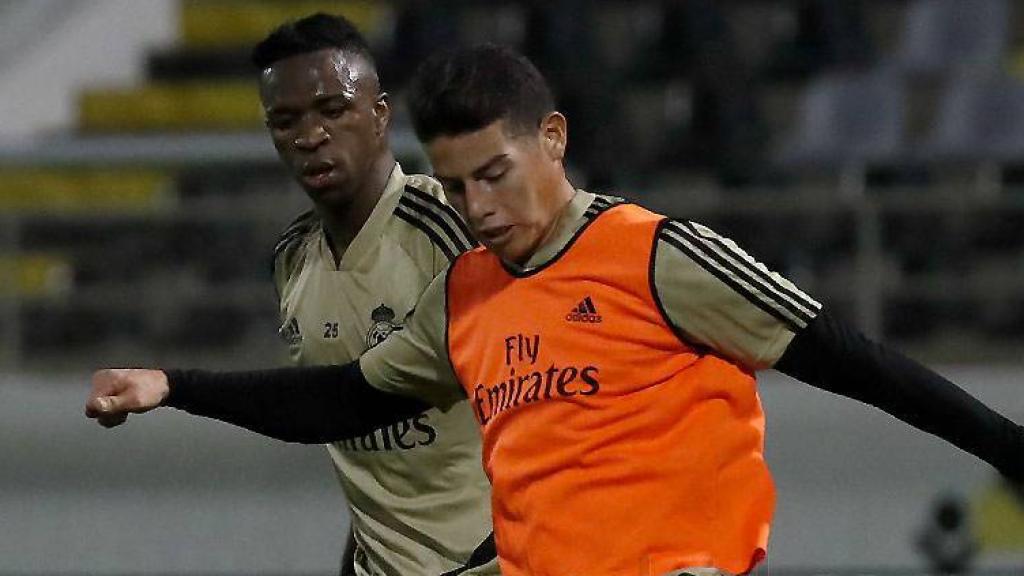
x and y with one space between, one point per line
238 23
195 106
35 275
84 190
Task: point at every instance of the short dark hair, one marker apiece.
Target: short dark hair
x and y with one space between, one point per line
317 32
465 89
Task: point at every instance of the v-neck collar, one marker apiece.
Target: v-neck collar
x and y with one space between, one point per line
569 222
370 233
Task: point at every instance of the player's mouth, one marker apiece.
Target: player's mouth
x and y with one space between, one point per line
495 235
318 174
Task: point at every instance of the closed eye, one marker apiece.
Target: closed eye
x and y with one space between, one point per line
492 178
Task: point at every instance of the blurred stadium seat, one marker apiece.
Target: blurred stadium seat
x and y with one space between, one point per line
954 35
241 23
848 118
981 118
96 190
33 276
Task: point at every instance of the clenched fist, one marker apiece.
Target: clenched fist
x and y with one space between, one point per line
117 393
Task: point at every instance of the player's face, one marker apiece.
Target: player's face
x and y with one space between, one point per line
328 120
508 187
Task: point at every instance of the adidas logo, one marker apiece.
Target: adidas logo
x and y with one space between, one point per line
290 333
585 311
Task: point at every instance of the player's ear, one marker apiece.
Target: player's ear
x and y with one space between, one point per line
382 113
554 135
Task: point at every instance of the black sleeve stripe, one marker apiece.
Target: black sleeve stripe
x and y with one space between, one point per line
437 223
441 219
446 209
297 229
433 211
294 233
656 296
742 271
741 259
600 204
724 254
796 296
414 220
734 280
611 200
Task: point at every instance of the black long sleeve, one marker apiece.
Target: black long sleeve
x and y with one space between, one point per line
311 405
835 357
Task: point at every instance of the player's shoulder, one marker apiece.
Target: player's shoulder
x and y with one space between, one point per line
684 231
690 249
426 185
291 240
695 241
601 203
423 215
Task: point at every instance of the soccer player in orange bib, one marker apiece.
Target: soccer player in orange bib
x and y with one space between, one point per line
608 353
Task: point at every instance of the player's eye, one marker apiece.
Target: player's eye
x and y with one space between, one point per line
492 178
281 122
334 112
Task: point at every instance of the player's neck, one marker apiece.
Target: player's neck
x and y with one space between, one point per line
560 205
343 224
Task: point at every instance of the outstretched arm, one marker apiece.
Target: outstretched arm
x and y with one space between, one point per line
718 296
835 357
309 405
314 404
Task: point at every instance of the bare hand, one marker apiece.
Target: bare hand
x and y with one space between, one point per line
117 393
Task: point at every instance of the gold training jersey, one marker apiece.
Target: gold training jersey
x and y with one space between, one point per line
419 498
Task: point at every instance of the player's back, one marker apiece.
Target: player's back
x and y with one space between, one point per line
419 497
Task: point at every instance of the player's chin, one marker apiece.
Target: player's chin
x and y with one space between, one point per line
336 194
508 251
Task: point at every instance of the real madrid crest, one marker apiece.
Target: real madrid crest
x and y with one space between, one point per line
382 326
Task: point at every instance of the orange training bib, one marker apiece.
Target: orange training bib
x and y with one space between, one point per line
613 448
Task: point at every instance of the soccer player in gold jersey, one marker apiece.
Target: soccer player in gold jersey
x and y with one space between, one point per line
347 273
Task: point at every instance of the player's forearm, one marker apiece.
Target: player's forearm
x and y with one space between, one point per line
835 357
310 405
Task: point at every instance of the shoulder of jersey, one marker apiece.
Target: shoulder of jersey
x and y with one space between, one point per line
749 278
293 236
602 203
425 210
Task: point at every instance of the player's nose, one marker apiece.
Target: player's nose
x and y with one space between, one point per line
311 135
478 203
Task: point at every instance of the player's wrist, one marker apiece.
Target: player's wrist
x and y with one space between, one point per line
174 382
